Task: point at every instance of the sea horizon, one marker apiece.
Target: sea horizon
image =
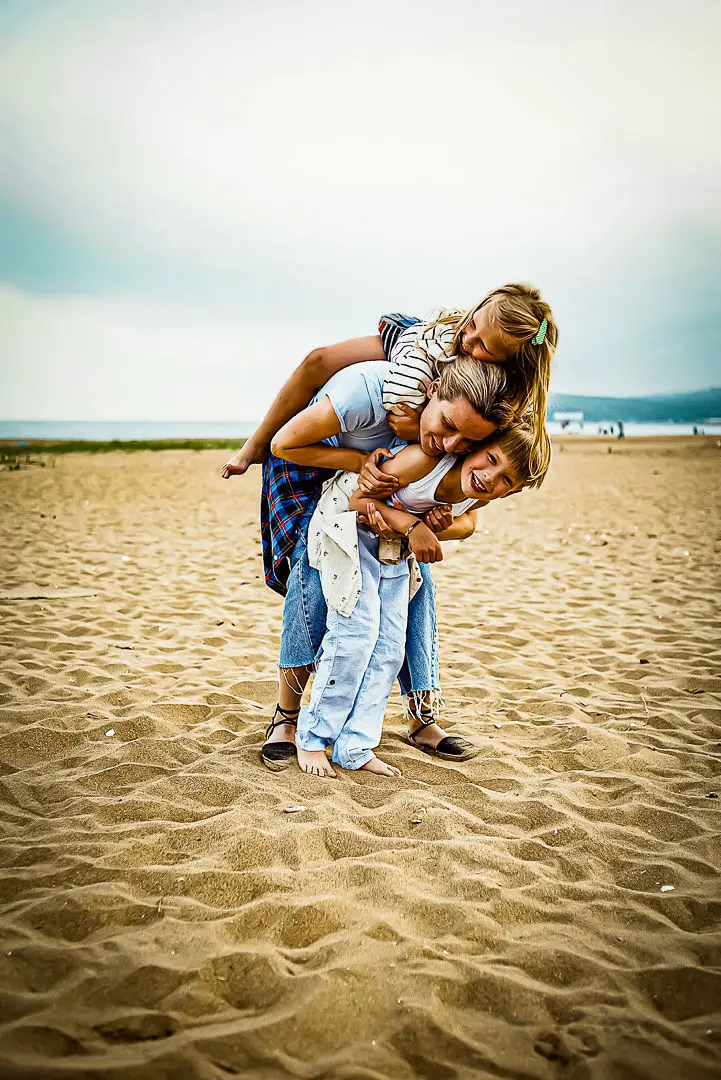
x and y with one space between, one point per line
144 430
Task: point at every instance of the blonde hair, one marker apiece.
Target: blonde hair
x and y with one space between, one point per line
484 387
529 460
517 313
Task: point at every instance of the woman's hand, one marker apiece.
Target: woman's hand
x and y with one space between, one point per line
406 425
439 518
371 481
424 544
379 525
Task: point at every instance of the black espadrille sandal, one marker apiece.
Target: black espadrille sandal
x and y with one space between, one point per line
450 748
278 755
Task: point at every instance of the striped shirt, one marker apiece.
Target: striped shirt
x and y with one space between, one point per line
417 351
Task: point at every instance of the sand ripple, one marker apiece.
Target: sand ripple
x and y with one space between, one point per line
163 918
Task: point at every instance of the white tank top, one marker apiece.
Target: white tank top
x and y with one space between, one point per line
421 494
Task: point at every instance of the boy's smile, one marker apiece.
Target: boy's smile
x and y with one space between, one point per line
487 474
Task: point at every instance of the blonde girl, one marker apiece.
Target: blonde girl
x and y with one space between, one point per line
512 326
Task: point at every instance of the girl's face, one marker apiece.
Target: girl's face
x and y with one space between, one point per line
487 474
482 341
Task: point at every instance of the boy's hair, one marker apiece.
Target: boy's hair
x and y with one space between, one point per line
518 312
530 461
484 387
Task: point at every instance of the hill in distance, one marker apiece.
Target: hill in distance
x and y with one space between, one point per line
692 408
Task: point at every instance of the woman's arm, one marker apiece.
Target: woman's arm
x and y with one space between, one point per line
301 440
307 379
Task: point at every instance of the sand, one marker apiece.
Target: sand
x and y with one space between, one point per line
557 911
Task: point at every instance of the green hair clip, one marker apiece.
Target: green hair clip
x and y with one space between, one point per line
541 335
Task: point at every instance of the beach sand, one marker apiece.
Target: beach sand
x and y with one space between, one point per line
555 913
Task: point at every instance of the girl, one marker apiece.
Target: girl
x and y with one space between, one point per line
512 326
367 589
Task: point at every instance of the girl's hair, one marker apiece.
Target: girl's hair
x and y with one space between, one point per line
517 313
530 460
484 387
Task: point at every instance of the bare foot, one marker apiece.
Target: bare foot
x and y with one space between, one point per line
314 762
250 453
375 765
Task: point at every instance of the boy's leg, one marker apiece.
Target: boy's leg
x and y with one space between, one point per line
420 681
362 730
347 646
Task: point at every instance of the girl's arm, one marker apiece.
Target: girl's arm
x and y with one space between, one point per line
307 379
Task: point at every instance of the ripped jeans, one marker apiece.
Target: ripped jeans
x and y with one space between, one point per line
304 624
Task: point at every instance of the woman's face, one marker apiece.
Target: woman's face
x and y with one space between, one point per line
481 340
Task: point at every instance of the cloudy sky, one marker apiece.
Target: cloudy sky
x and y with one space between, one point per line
194 193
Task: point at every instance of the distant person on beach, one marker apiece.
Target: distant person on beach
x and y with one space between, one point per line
621 433
513 330
368 582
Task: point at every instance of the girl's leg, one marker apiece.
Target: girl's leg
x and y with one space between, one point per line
296 393
347 647
362 731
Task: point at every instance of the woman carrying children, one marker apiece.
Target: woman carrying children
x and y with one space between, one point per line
512 330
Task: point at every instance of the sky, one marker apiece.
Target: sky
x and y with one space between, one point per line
195 193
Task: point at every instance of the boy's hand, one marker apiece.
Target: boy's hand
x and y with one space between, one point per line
424 545
439 518
371 481
407 425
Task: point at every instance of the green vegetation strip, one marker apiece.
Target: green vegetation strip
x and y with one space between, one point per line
9 449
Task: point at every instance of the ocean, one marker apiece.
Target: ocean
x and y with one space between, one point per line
127 430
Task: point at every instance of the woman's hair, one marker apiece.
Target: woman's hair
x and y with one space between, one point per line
529 458
518 313
484 387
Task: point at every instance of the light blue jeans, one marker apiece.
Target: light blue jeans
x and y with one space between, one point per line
304 624
360 657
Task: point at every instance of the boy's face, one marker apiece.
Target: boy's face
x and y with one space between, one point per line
487 474
451 427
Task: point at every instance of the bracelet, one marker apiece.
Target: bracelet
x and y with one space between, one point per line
410 528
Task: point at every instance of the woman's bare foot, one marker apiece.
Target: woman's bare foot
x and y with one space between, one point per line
314 762
375 765
250 453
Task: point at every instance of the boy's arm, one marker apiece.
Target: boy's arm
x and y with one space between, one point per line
422 540
463 526
403 468
301 440
307 379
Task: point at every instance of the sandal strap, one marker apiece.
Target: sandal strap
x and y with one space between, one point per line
287 717
424 724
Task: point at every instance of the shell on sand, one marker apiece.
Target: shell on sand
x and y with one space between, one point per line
161 918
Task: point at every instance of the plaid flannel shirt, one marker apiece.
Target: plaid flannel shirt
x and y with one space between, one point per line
289 490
